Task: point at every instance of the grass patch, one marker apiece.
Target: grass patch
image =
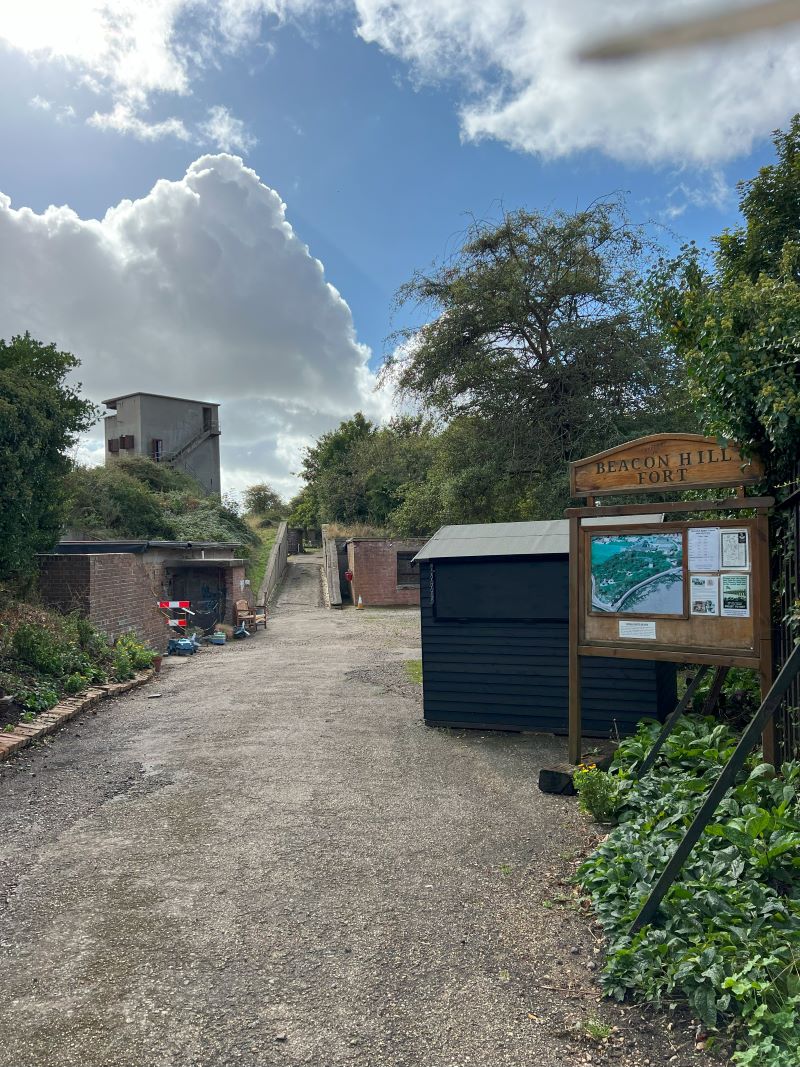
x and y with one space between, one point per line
259 556
414 670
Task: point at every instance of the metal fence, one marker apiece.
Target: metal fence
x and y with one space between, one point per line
786 590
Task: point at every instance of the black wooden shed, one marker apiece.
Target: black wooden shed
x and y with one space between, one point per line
495 615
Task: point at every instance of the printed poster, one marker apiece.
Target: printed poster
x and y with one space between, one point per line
704 594
637 574
703 548
734 550
735 593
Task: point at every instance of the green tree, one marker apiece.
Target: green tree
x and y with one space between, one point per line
262 500
734 317
40 417
537 332
358 473
304 510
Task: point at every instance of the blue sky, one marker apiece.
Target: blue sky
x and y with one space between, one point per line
380 145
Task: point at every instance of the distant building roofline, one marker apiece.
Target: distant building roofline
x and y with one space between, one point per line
85 547
112 403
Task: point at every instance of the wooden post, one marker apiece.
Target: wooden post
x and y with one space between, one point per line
762 605
575 602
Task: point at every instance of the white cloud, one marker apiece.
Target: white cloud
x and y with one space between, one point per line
40 103
510 61
523 88
714 191
226 132
124 119
201 288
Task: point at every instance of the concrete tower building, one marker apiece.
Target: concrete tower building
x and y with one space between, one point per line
181 433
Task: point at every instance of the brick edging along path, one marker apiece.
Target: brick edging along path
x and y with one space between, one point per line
49 721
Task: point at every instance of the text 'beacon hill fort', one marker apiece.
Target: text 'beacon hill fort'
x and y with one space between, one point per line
168 429
663 459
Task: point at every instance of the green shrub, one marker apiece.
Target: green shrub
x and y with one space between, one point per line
139 656
76 683
38 648
600 794
727 936
122 665
35 700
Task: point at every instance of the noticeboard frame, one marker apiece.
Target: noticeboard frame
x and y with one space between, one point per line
757 654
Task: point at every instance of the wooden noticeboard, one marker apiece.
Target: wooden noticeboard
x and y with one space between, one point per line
693 591
701 627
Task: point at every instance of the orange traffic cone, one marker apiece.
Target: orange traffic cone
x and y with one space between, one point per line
360 603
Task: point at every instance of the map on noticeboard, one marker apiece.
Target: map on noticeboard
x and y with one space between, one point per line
637 574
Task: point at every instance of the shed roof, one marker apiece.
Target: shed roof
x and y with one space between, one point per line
548 537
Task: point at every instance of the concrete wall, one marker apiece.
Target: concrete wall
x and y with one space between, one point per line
175 422
374 566
276 565
116 591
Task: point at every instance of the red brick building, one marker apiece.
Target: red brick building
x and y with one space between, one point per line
383 575
117 584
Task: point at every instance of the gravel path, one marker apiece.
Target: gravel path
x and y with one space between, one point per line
277 863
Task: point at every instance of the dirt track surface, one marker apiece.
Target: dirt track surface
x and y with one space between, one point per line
277 863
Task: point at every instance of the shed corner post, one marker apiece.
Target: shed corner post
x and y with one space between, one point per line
574 631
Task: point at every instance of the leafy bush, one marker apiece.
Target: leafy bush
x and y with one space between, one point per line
44 655
599 793
122 665
136 497
727 938
76 683
38 648
139 656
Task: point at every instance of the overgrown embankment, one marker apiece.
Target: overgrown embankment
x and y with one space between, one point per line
727 938
137 498
45 656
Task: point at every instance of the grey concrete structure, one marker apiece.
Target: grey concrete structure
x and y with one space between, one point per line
168 429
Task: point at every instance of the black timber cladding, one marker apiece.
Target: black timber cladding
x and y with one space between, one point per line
495 652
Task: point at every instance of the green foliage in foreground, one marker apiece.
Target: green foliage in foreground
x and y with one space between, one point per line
727 938
45 656
138 498
40 418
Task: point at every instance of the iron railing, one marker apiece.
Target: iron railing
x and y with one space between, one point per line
786 609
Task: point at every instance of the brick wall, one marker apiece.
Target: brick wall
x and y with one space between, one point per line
124 595
374 567
234 576
116 591
64 583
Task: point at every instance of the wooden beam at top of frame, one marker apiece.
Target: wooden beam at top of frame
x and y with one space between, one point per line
734 503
